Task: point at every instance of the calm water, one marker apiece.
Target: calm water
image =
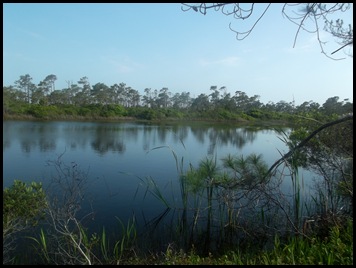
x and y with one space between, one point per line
119 157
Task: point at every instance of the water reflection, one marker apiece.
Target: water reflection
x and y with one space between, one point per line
113 137
109 140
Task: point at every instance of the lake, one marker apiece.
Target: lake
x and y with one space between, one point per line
120 160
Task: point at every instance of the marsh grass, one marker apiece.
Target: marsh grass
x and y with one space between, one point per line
100 249
41 244
236 204
126 244
211 201
337 249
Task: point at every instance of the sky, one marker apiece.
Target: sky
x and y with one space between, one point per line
158 45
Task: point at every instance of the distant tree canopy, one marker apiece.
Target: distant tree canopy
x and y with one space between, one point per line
84 99
310 17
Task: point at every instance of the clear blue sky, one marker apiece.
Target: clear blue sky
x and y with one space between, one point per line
159 45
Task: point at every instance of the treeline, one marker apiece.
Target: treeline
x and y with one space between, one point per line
119 100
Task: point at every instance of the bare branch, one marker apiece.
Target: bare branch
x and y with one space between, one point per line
315 12
303 142
342 47
253 26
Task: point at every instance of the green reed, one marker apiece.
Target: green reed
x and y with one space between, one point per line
129 232
42 245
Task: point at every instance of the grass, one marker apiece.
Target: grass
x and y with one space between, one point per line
337 249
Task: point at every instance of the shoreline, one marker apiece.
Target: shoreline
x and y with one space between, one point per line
259 122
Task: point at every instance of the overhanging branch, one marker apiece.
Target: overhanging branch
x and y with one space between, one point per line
303 142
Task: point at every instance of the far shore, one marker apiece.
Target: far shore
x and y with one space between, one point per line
239 121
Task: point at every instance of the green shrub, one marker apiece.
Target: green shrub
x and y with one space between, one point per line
23 202
112 110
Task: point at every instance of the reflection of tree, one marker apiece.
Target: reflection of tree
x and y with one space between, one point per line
224 135
110 139
105 137
199 133
162 133
27 145
102 137
47 145
147 137
44 144
180 133
157 135
243 136
132 132
76 135
104 146
32 135
211 148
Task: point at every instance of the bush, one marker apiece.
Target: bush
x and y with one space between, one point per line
23 206
24 203
112 110
39 111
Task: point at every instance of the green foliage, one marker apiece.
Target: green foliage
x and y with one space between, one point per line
84 111
143 113
121 100
128 239
23 202
245 171
336 250
173 113
112 110
193 181
42 112
256 113
41 245
329 153
225 114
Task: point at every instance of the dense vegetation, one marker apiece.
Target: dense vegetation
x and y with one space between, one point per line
83 101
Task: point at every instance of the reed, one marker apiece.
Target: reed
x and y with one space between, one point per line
104 246
128 238
41 245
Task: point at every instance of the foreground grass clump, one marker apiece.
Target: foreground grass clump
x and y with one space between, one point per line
336 249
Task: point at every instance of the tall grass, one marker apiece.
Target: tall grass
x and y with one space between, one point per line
237 202
41 244
98 249
214 196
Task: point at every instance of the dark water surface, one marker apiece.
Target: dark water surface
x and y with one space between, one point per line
119 158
